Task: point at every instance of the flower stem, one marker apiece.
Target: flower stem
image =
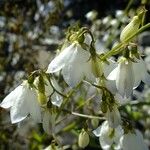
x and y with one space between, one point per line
117 49
87 116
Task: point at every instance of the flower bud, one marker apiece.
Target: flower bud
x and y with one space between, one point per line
42 98
96 68
40 85
130 29
83 139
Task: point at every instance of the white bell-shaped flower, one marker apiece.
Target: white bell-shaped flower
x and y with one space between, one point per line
22 102
75 64
108 136
128 76
133 141
124 76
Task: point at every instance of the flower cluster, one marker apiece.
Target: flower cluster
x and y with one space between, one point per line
118 139
79 62
31 99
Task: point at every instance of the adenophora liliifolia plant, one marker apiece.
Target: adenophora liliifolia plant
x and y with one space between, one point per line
42 98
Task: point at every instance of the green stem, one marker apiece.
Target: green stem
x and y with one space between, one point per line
69 112
56 89
83 115
117 49
87 116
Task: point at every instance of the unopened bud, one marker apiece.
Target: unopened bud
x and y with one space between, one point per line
39 83
83 139
130 29
96 68
42 98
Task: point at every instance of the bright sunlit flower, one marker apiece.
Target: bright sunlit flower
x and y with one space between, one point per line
108 136
124 76
22 102
128 76
75 64
133 141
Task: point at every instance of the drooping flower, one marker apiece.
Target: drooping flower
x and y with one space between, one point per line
22 102
108 136
128 76
123 74
133 141
75 64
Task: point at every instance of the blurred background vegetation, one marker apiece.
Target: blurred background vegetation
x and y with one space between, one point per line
31 30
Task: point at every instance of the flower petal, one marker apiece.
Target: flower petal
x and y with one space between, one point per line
73 73
56 100
133 141
109 68
104 139
60 61
97 132
146 78
125 79
19 110
111 85
10 98
137 73
113 74
33 106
